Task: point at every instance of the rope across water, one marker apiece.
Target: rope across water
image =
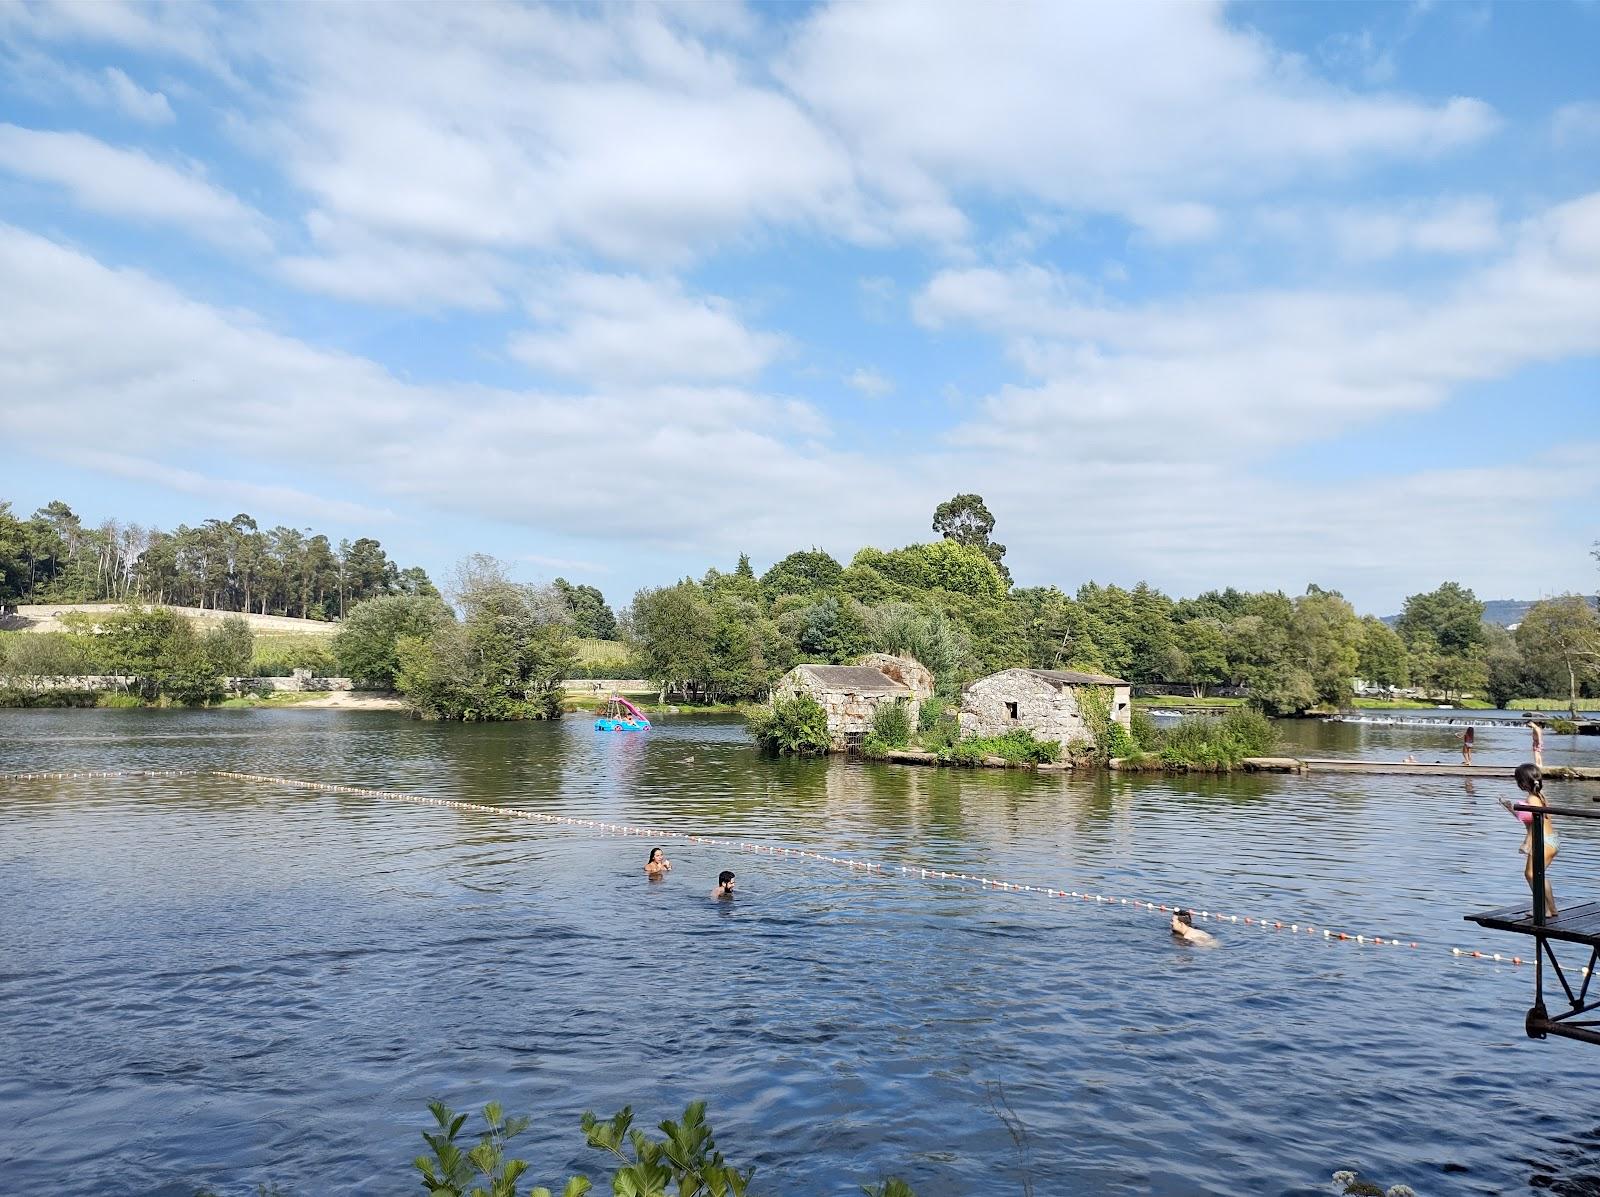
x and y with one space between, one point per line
867 866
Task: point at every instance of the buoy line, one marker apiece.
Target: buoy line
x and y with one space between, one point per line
860 865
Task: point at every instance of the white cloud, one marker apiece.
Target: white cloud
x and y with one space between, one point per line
870 382
1131 108
1231 375
114 362
616 131
1574 124
1447 226
348 262
39 75
1177 224
231 492
624 328
128 183
149 106
188 31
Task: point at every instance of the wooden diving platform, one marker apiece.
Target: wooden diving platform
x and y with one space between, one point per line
1578 923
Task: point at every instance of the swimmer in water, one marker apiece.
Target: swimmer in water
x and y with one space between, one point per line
1183 928
724 885
1530 780
658 866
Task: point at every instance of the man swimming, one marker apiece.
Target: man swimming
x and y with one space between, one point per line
724 885
1183 928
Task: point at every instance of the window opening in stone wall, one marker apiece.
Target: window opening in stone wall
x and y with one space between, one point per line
1011 710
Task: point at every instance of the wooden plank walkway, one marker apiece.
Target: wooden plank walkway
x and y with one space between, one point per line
1279 764
1577 924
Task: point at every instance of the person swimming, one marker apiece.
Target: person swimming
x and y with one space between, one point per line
724 885
658 866
1530 780
1183 928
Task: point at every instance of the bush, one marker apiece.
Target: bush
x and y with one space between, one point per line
1563 727
230 645
47 654
791 726
283 660
365 645
1208 742
929 714
1146 734
1016 747
891 723
1111 740
11 696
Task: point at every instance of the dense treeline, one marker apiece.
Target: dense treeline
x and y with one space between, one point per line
232 565
948 603
159 654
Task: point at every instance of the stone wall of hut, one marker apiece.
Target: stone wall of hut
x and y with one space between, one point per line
1049 713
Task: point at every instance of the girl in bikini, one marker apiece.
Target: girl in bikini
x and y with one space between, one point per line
1531 782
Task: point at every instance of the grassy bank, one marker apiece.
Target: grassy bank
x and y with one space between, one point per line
1552 704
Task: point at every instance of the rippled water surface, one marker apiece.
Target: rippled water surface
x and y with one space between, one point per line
208 982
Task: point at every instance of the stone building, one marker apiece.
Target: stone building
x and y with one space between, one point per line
851 694
1047 702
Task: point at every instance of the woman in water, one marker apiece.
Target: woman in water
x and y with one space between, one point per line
1183 928
1466 746
658 866
1531 782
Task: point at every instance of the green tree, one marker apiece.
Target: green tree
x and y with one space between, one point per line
801 573
1382 655
13 556
966 520
230 646
673 627
1560 641
591 616
1327 636
1506 672
1204 644
1452 615
367 643
505 659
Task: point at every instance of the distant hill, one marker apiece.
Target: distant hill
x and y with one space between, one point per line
1503 612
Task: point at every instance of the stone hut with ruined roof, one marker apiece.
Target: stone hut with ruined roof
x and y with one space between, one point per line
852 694
1047 702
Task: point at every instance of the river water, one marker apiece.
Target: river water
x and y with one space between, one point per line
210 982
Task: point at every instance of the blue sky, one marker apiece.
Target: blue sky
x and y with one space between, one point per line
1257 294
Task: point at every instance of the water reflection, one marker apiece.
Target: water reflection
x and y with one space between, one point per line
230 983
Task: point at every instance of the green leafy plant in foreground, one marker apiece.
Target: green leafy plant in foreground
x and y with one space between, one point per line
686 1163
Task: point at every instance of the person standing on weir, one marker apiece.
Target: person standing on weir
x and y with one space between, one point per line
1538 743
1466 746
